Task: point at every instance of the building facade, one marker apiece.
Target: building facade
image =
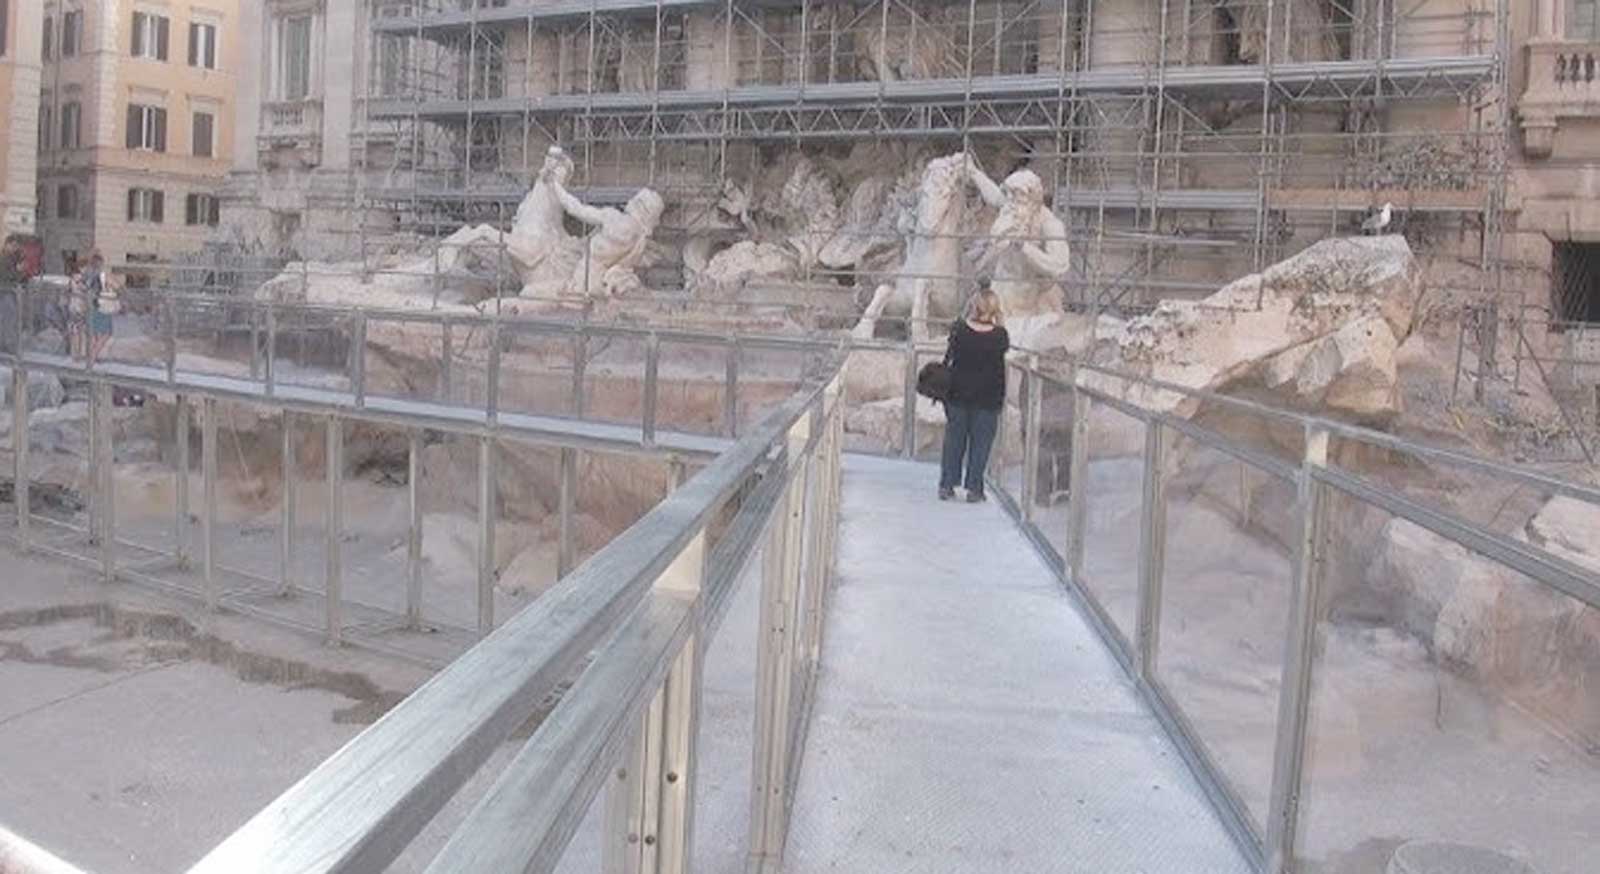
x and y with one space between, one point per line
291 186
135 126
20 20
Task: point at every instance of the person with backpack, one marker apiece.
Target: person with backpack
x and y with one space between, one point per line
976 358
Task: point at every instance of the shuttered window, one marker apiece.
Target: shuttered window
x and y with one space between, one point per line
147 127
203 45
146 205
201 209
150 35
204 134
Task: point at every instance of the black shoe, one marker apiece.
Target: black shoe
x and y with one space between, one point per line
975 497
947 494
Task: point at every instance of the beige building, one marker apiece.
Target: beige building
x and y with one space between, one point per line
291 187
135 125
19 100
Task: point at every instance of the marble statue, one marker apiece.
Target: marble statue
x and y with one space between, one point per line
1027 255
618 244
539 243
926 284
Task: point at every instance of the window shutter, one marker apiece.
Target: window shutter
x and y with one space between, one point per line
138 34
49 33
211 47
161 38
215 218
194 45
189 210
5 25
203 135
157 206
135 127
133 203
160 124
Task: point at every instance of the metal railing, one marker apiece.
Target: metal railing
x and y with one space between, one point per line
1106 414
646 606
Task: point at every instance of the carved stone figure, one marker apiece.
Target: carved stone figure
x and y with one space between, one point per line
618 244
539 243
1027 255
926 284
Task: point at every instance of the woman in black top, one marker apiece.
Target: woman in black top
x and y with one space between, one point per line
977 357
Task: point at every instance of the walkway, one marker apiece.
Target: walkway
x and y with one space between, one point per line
968 719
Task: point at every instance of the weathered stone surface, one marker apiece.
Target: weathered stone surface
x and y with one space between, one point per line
1440 857
875 375
883 423
742 263
1509 633
1231 336
1351 371
1569 528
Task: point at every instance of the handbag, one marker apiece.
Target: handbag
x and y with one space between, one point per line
934 379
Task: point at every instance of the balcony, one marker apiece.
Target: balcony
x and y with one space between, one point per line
1563 82
291 133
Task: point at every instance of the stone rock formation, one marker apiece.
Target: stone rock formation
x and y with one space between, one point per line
1511 634
926 284
788 231
1318 330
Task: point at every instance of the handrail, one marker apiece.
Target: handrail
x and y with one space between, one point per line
359 809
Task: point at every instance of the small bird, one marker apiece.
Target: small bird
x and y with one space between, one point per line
1378 221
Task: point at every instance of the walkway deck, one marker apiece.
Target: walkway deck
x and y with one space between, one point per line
968 719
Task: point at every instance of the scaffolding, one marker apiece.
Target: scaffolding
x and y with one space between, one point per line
1185 141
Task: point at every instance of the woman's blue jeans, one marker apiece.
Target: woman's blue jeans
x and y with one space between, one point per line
968 435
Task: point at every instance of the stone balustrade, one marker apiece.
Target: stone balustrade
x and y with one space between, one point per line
291 130
1563 81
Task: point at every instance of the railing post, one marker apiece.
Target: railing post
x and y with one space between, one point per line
486 523
180 439
255 345
492 377
170 338
105 485
1294 700
580 364
1077 481
730 392
777 647
286 523
19 446
565 552
908 419
1032 400
334 581
652 388
649 816
358 359
1152 545
414 532
208 513
272 349
446 355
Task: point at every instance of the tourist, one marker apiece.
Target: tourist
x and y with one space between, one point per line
100 303
977 359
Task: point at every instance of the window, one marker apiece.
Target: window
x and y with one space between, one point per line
203 45
47 48
67 202
204 125
150 36
201 209
1583 20
147 127
1575 282
145 205
5 27
71 32
294 64
46 125
71 125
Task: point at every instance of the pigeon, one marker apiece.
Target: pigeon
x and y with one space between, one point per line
1378 221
